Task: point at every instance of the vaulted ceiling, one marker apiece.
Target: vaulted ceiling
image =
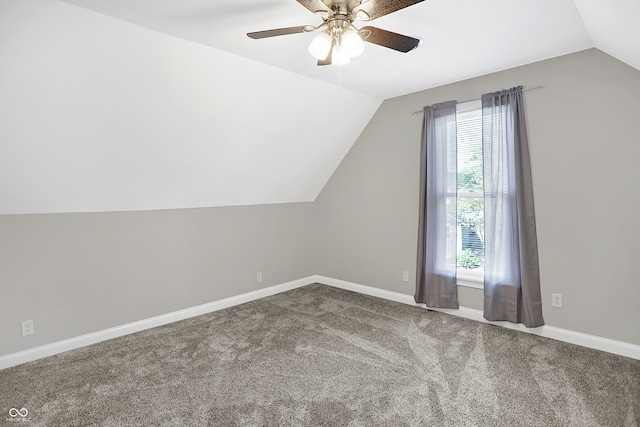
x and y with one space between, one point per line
157 104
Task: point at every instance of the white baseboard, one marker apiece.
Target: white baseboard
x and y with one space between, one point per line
35 353
578 338
585 340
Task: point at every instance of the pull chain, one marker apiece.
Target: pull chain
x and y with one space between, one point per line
339 78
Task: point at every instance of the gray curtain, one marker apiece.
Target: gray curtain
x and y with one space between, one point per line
436 263
511 270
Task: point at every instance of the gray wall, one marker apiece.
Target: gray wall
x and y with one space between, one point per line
79 273
584 132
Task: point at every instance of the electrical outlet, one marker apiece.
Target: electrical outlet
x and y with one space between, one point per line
259 277
556 300
27 327
405 276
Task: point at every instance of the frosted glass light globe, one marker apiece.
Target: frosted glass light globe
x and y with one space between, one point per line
320 46
352 43
339 56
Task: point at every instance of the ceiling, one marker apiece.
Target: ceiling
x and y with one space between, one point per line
461 38
120 105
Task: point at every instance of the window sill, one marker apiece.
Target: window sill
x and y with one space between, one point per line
470 278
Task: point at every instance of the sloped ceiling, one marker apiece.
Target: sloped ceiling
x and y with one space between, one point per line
101 115
613 27
160 104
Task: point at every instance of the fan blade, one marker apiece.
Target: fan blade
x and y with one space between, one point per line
376 8
388 39
279 32
315 6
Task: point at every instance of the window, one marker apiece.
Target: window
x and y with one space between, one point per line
470 194
477 222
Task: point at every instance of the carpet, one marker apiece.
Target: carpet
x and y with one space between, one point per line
321 356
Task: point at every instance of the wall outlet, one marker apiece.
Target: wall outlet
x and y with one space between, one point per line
259 277
405 276
556 300
27 327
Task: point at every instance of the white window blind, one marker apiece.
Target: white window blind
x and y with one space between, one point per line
470 194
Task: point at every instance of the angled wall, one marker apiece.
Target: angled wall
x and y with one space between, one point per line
98 114
583 130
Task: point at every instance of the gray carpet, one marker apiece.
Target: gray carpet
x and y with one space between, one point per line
324 356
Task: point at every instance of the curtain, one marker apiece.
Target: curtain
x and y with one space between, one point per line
511 270
436 263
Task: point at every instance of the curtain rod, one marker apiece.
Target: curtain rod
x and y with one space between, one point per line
475 99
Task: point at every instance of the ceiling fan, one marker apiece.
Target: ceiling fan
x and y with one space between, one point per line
339 40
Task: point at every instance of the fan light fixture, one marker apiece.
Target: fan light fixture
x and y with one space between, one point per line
338 40
341 39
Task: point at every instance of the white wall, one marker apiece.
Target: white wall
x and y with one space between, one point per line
583 129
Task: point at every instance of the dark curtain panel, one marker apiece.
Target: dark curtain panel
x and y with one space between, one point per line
512 274
436 264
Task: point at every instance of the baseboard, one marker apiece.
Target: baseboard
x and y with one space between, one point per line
35 353
578 338
585 340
